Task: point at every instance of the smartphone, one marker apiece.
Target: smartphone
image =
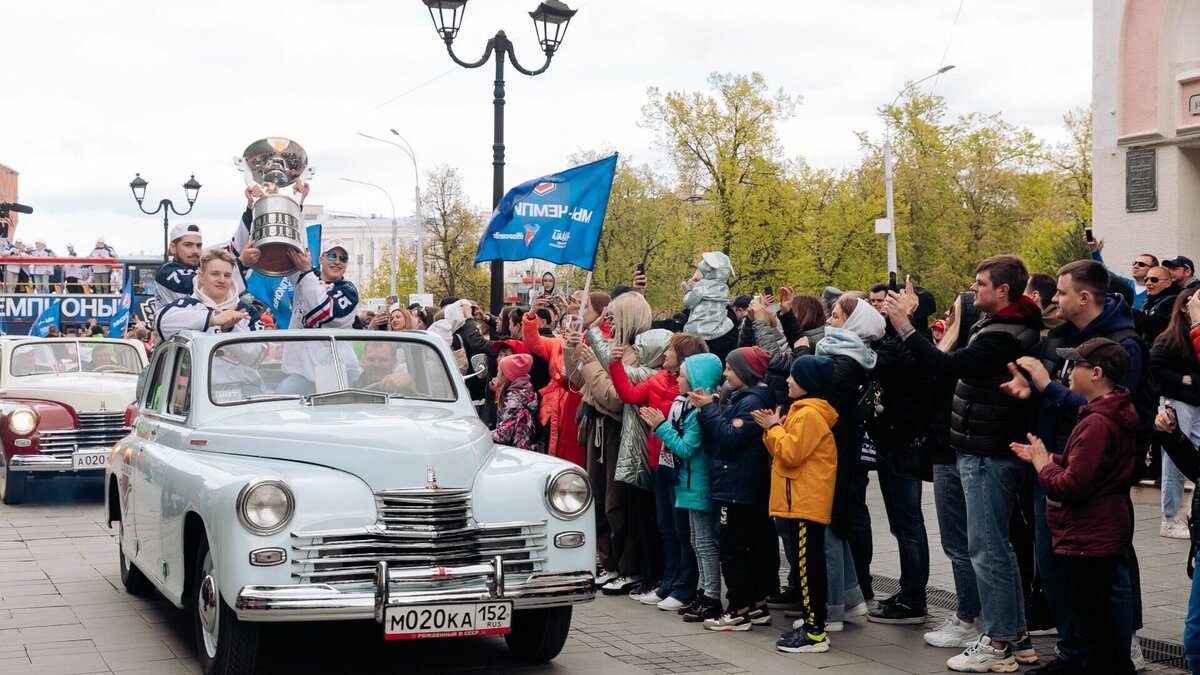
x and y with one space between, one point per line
641 268
767 290
757 298
892 283
1091 239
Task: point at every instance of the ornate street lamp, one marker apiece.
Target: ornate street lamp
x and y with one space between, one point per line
550 21
191 190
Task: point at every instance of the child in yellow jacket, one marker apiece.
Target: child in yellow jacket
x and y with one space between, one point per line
803 471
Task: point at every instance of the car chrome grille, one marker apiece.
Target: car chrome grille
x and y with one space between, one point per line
99 429
417 529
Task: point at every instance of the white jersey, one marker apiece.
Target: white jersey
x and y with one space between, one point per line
189 313
317 304
41 269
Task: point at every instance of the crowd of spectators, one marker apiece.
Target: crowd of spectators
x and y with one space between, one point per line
32 277
748 425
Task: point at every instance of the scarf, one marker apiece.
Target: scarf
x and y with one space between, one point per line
839 341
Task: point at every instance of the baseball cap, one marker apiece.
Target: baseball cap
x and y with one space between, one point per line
334 243
182 230
1110 356
1180 261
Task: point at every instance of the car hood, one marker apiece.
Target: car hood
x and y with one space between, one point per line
81 391
388 447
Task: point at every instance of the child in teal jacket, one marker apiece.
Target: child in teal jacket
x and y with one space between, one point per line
680 433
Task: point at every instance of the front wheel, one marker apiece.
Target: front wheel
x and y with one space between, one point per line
225 645
538 635
12 485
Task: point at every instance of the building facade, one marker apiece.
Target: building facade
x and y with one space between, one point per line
1146 128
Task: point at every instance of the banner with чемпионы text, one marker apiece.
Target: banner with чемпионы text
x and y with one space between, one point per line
556 218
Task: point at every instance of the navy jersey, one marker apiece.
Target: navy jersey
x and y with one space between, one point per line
173 281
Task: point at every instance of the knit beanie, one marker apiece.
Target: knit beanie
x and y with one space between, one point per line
814 374
515 366
749 363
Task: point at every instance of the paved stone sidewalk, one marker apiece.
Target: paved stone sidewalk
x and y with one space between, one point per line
61 611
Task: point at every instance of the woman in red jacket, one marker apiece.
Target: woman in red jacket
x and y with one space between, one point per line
559 402
680 573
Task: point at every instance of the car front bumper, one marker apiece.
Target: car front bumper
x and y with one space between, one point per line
48 463
397 588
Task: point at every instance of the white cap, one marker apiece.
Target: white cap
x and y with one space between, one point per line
40 241
100 240
181 230
70 245
335 243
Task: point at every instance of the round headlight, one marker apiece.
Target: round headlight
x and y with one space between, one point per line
568 493
22 421
264 507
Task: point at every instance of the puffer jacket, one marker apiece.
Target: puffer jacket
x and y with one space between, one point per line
804 461
1087 486
686 441
741 472
659 392
707 299
559 402
984 419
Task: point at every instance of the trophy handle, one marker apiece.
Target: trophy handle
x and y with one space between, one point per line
240 163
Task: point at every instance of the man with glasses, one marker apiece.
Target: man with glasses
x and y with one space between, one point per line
323 299
1137 272
1160 296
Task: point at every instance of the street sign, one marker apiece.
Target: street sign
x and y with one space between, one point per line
883 226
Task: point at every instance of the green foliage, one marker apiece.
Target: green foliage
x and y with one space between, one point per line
452 230
380 283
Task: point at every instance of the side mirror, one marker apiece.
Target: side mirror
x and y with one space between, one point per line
478 366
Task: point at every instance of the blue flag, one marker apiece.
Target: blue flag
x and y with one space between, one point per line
51 316
120 320
555 218
276 292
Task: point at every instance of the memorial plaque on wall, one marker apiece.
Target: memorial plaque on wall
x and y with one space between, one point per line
1141 181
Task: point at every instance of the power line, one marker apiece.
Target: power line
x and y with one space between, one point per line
946 51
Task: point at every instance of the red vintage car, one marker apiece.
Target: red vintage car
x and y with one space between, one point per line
64 403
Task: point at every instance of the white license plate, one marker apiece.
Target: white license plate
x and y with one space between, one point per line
459 619
89 460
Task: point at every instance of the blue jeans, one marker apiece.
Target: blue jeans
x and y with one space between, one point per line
990 485
708 554
951 506
902 502
679 560
1191 626
296 384
842 583
1172 487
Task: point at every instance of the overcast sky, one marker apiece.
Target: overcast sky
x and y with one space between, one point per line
96 91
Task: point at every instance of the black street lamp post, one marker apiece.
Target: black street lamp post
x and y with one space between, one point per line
550 20
191 190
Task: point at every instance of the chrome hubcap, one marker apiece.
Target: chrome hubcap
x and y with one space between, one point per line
206 606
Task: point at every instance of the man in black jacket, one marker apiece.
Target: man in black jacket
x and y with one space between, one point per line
984 421
901 431
1161 291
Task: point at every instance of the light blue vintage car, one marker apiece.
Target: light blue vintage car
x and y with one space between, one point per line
371 490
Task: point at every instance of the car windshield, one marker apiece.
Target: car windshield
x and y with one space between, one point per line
263 369
74 356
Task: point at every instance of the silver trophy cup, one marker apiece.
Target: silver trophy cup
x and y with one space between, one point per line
278 221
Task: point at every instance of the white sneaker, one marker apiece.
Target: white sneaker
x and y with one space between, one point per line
1174 528
1136 655
670 604
982 657
605 576
620 585
650 597
860 609
953 633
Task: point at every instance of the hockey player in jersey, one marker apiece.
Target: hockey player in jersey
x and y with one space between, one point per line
176 278
213 306
322 299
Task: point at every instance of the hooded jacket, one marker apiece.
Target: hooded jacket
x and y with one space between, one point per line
707 299
1087 485
1060 407
516 414
741 472
804 461
687 442
984 419
658 392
